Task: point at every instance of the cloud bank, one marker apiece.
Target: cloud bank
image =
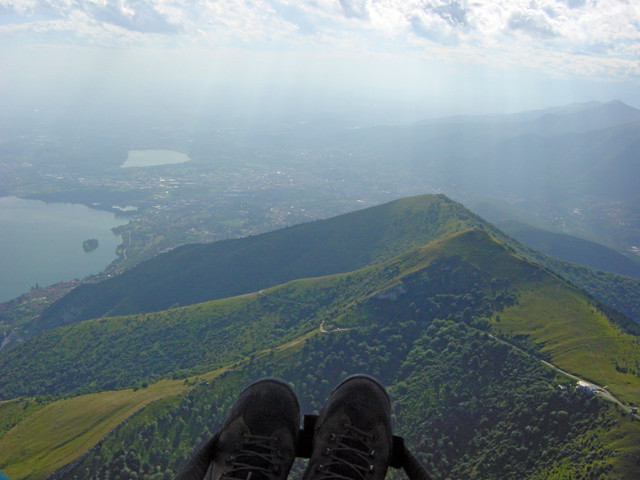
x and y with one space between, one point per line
583 37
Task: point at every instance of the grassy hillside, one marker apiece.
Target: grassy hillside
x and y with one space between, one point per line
576 336
47 435
196 273
469 405
621 293
466 401
60 432
119 352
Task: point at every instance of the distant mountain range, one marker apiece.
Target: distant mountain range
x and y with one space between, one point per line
565 156
453 316
577 117
571 169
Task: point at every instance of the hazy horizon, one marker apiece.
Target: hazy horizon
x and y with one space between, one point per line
363 62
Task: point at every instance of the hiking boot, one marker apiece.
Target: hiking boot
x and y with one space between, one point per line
258 438
352 438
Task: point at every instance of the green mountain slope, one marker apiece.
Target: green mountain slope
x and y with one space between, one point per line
471 405
120 351
196 273
618 292
468 406
423 322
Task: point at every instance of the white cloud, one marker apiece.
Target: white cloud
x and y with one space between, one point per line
558 34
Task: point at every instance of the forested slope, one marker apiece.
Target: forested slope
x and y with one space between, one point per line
196 273
424 323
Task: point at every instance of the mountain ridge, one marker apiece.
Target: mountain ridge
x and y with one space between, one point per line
195 273
200 272
574 118
207 335
408 321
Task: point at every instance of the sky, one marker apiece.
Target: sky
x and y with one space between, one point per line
381 60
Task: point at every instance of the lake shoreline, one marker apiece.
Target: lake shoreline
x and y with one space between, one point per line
154 158
42 243
70 198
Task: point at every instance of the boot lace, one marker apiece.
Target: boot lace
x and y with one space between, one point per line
349 456
258 459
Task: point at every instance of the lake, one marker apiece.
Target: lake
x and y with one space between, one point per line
150 158
42 243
